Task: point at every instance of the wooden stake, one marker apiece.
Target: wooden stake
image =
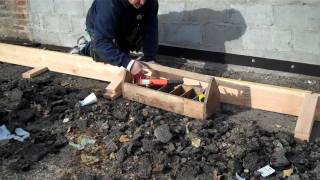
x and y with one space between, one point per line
114 89
306 118
34 72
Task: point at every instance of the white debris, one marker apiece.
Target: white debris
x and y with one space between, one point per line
266 171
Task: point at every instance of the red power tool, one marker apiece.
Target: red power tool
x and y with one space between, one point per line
143 80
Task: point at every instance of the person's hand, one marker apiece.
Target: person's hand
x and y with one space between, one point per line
136 68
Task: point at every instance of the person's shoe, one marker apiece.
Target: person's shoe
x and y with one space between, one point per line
81 43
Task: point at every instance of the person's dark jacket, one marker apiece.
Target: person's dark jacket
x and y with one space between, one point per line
114 20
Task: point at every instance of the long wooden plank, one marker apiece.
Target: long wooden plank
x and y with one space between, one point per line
243 93
318 108
254 95
306 118
57 62
34 72
261 96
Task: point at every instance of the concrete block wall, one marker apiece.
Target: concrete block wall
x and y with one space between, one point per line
277 29
58 22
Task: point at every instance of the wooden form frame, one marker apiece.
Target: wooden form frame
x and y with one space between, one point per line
175 99
64 63
254 95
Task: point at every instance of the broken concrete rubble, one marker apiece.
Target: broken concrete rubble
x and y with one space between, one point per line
158 145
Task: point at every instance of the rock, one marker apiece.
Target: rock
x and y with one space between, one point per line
26 115
212 148
251 161
148 145
162 133
144 168
171 147
120 114
294 177
121 154
82 124
158 168
145 112
110 145
89 160
15 95
279 160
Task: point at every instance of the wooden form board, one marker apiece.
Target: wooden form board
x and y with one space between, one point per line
254 95
306 117
57 62
164 101
318 108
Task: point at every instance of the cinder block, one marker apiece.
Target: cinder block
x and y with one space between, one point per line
204 11
183 33
50 23
46 37
217 35
69 7
41 6
78 24
171 11
68 39
267 39
161 32
297 16
253 15
307 41
35 21
60 23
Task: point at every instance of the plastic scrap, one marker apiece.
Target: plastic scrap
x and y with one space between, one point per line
196 142
20 134
90 99
239 177
83 142
4 133
266 171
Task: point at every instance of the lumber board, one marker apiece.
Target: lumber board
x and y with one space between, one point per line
34 72
243 93
163 100
114 89
261 96
212 101
306 118
57 62
318 108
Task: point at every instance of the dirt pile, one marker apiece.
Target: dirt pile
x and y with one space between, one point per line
131 140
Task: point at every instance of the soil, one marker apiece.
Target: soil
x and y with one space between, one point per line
134 141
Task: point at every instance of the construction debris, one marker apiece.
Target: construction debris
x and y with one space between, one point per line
159 143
